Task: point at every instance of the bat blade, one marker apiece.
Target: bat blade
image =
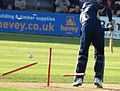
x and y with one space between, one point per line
111 42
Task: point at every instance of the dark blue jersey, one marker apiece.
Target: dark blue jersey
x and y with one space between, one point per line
90 13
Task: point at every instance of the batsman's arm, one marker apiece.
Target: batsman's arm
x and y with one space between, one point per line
111 28
109 13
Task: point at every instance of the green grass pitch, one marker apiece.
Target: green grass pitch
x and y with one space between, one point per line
15 48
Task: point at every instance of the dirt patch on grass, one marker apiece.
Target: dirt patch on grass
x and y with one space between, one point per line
67 86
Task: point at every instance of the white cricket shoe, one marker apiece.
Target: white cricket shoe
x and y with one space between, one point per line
77 82
98 83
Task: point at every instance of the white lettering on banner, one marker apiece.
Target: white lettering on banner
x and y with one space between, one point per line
7 16
116 33
27 17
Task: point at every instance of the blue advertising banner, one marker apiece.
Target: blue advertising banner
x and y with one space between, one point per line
39 23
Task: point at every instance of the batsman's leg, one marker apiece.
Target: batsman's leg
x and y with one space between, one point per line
98 43
82 58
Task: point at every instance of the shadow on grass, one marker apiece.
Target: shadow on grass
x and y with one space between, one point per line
46 39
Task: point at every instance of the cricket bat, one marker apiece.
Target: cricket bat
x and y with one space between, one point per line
111 41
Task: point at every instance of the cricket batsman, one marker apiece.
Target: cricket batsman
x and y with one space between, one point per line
92 33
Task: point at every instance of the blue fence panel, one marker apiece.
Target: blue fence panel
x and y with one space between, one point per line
39 23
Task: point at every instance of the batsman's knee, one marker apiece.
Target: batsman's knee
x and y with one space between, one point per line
82 58
99 63
99 57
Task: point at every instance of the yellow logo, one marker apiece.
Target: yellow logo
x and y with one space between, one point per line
70 21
